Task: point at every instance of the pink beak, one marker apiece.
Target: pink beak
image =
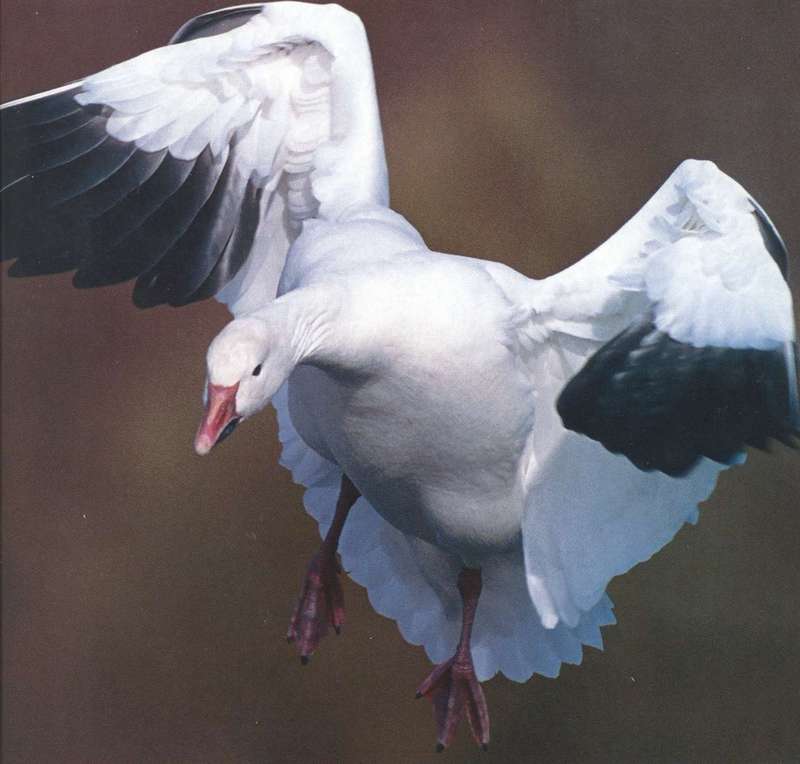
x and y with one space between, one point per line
220 418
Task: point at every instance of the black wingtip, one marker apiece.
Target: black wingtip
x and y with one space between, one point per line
665 405
40 109
772 239
215 22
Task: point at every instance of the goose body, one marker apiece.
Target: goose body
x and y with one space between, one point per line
451 478
485 451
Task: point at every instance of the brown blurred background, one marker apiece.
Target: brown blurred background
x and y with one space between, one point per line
147 591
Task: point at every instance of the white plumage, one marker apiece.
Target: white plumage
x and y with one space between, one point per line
432 381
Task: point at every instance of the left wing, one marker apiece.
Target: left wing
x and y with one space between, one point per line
195 164
691 303
657 359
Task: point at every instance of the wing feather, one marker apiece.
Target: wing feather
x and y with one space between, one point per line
96 200
201 245
236 249
74 179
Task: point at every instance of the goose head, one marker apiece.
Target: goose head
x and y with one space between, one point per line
246 364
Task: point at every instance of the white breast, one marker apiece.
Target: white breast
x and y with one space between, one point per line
433 431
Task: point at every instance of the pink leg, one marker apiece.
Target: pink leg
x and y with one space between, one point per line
452 686
321 602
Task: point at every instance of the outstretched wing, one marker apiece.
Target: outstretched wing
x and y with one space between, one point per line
662 354
703 361
195 164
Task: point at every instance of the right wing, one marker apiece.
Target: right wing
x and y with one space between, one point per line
193 165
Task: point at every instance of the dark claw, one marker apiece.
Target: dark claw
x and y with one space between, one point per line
452 691
319 607
439 747
304 659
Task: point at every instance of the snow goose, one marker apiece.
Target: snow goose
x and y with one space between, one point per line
427 394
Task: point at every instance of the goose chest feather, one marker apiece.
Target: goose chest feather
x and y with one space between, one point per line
429 409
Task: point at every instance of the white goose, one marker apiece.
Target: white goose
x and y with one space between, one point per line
485 451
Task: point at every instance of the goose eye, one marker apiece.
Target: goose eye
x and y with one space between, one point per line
257 370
